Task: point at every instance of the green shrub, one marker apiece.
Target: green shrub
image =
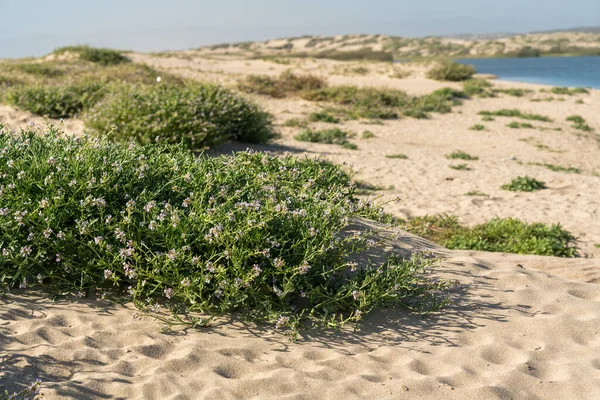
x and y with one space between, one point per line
461 155
295 123
398 156
524 184
251 233
328 136
371 103
460 167
518 125
513 91
56 101
41 69
517 114
199 115
477 127
568 91
285 85
451 71
477 87
558 168
579 123
323 116
368 135
487 118
499 235
476 193
96 55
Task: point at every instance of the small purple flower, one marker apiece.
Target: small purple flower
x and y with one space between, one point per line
304 268
168 293
356 294
108 274
186 282
282 321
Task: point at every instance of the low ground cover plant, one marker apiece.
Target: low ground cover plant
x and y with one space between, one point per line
478 87
96 55
507 235
513 91
477 127
278 87
519 125
568 91
398 156
461 155
323 116
558 168
252 233
369 103
460 167
451 71
200 115
524 184
579 123
517 114
56 101
327 136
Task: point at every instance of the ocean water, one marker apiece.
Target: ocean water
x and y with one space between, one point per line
555 71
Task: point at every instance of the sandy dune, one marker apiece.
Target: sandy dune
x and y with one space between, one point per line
514 332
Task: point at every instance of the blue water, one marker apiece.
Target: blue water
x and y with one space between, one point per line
556 71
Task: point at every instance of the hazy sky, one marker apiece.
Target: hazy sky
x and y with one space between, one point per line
35 27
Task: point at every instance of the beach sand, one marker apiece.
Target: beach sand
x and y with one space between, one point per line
522 327
513 332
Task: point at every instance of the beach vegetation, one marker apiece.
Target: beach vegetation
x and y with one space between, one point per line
254 234
524 184
477 127
461 155
516 114
451 71
398 156
506 235
200 115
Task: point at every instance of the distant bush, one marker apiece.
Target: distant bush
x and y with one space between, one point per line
500 235
96 55
364 54
254 234
524 184
579 123
518 125
368 135
295 123
286 84
328 136
199 115
568 91
461 155
323 116
398 156
41 69
460 167
451 71
370 103
56 101
558 168
513 91
477 127
477 87
517 114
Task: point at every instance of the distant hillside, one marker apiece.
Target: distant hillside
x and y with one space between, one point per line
582 41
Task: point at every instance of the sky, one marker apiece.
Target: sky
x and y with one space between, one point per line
36 27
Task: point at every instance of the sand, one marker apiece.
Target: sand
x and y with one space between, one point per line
522 327
513 332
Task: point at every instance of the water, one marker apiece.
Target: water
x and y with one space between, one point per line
555 71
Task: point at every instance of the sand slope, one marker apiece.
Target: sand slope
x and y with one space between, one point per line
513 333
